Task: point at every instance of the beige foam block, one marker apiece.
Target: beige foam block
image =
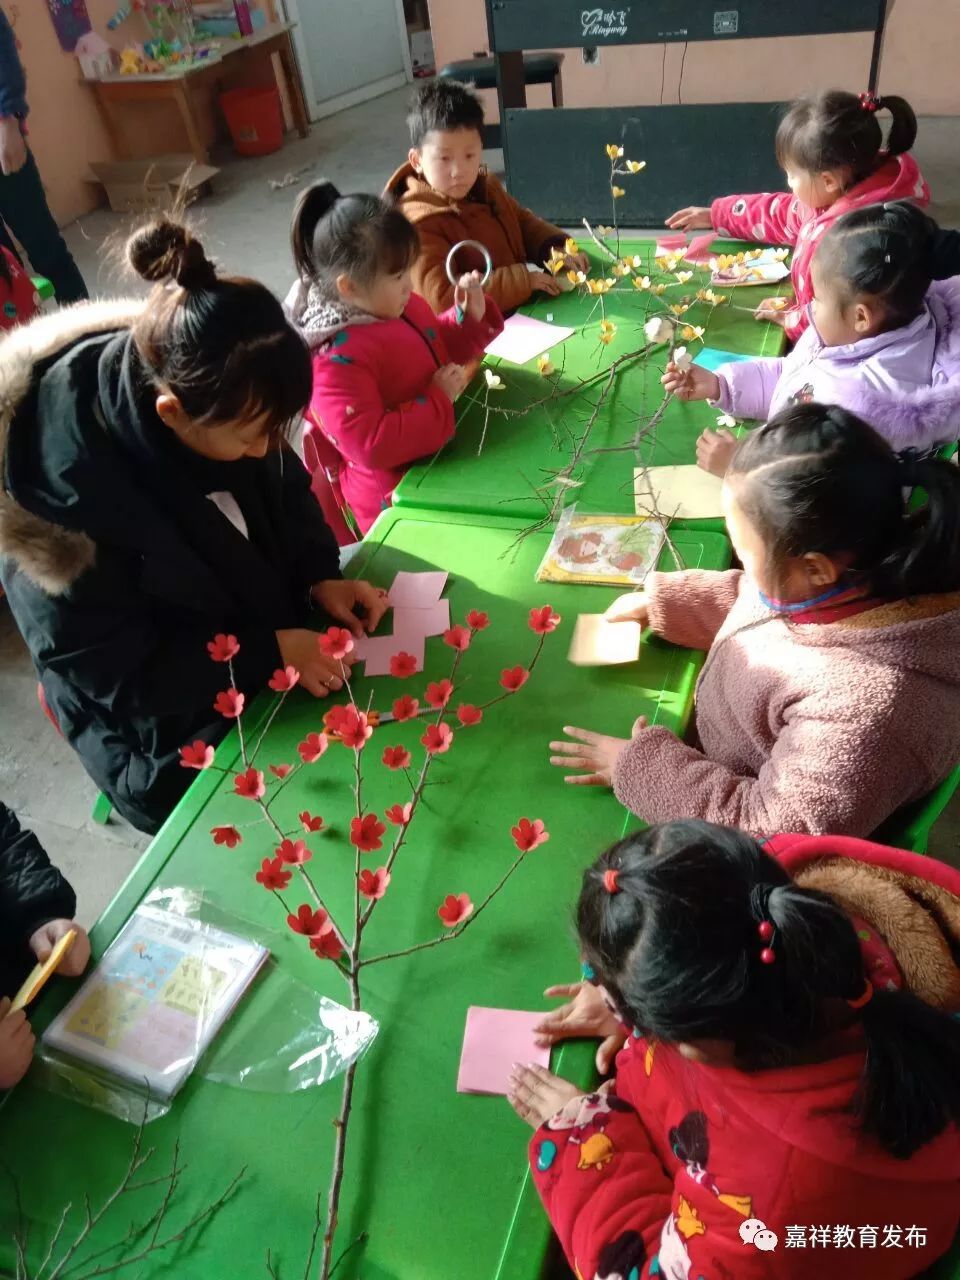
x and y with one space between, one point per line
599 643
682 493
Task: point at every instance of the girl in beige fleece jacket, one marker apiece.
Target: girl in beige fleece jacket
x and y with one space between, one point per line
831 691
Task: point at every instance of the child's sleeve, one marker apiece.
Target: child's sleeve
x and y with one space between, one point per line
466 339
509 287
18 296
747 387
775 217
32 890
348 400
689 608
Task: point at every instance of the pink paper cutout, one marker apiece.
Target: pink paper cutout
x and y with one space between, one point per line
699 248
432 621
417 590
376 652
493 1040
525 337
670 244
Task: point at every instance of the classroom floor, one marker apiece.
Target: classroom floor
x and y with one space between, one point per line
244 224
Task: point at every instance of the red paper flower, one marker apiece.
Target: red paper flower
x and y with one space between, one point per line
273 874
458 637
396 757
438 693
477 620
312 747
405 708
309 822
309 922
373 884
455 908
468 714
437 739
295 852
354 728
527 835
327 946
403 664
229 836
513 678
196 755
335 642
399 814
544 620
283 679
222 648
280 771
365 832
229 703
249 784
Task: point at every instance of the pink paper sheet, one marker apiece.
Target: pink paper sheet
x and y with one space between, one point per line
699 249
376 651
432 621
525 337
670 244
417 590
495 1039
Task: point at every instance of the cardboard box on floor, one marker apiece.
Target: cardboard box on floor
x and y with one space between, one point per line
141 186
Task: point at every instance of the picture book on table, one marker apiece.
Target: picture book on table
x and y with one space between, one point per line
607 550
153 1004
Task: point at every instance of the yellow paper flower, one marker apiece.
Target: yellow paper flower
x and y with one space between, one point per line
658 289
577 277
600 286
679 308
621 268
708 295
493 382
604 231
571 246
636 165
613 151
556 263
691 331
780 254
608 331
684 276
641 282
617 192
636 261
545 366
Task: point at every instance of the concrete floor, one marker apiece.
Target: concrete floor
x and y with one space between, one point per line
245 225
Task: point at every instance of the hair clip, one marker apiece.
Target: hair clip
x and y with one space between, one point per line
869 102
611 880
588 972
863 999
766 931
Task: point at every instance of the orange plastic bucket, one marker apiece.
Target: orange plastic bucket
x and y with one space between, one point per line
254 119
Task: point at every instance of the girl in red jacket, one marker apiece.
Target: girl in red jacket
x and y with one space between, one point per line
789 1091
386 370
831 150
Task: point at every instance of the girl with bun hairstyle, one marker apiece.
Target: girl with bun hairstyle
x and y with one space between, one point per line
831 148
148 501
386 369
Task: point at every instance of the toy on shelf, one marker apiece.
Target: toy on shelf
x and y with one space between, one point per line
95 56
131 62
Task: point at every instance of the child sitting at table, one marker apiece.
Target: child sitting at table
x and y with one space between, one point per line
36 910
788 1065
386 370
830 695
831 148
882 343
445 193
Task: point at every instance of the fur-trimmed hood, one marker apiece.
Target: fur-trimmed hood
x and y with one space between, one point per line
51 556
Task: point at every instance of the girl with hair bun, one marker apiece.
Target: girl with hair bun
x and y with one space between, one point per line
149 500
787 1098
831 148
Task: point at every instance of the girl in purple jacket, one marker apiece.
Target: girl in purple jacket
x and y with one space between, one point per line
882 342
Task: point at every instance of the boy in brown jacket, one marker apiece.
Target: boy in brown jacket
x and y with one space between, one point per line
442 190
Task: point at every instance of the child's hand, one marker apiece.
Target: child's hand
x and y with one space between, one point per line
632 607
585 1016
536 1094
594 752
318 675
691 218
695 383
44 939
451 379
543 282
469 295
16 1045
714 451
576 261
342 597
773 310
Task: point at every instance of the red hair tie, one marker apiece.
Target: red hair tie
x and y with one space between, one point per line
611 880
869 102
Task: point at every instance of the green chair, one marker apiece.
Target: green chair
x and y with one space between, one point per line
919 496
910 827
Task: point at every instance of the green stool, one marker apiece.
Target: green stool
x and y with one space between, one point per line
43 287
910 827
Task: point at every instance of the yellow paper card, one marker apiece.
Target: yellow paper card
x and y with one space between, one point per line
41 972
599 643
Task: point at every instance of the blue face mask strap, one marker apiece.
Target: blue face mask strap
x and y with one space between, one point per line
778 606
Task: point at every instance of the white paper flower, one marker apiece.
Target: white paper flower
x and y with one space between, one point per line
726 420
682 359
493 382
659 329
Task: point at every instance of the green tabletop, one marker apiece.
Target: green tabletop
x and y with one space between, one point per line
519 453
438 1180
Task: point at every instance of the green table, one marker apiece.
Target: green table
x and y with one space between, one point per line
439 1180
518 453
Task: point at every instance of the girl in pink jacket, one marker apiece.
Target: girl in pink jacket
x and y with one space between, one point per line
786 1103
882 342
831 149
830 695
386 370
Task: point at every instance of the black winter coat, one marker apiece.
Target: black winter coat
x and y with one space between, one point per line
32 891
118 567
